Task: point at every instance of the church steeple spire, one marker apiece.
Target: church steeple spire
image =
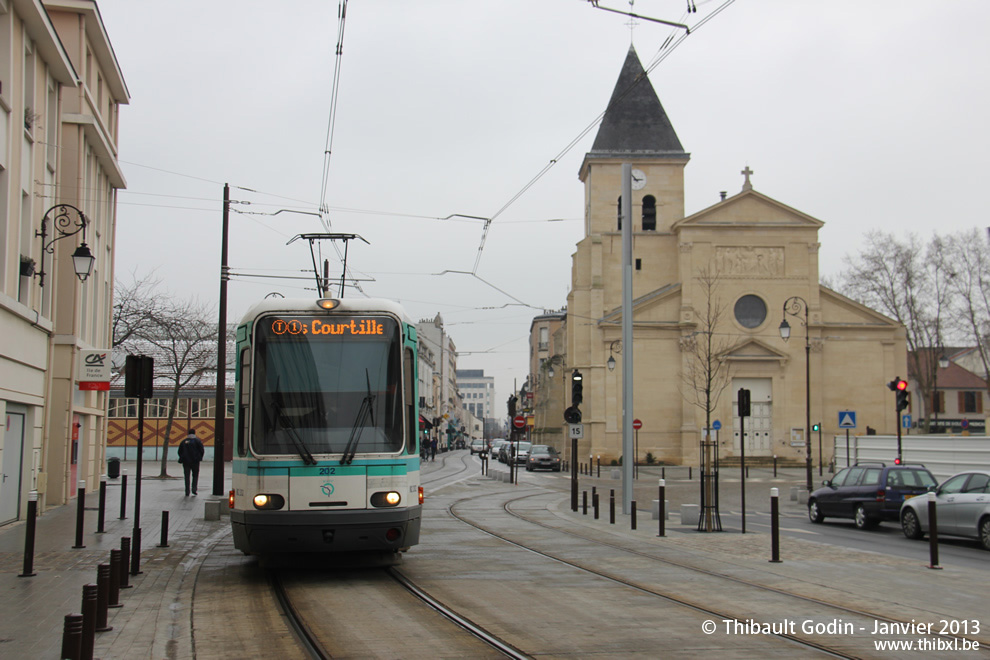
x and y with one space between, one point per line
635 122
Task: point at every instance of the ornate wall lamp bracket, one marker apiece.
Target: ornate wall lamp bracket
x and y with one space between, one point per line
67 220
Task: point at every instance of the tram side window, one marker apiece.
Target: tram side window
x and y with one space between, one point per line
412 422
242 418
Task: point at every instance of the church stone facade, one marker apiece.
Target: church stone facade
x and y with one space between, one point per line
718 280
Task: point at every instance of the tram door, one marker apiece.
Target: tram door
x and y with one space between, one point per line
759 425
10 480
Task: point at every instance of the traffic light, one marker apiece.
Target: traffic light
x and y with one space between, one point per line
903 396
512 406
743 402
577 389
572 415
816 427
899 386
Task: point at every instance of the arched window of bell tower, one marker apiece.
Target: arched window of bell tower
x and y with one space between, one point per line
649 213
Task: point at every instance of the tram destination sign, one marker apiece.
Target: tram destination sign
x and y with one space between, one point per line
317 327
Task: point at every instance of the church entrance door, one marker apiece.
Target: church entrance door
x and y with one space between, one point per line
759 425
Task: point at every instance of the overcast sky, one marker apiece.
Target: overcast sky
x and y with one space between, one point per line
865 115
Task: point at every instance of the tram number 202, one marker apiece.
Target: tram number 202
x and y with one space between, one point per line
327 471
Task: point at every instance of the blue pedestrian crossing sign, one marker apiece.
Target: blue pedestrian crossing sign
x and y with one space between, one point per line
847 419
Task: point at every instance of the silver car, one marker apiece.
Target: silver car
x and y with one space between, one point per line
962 508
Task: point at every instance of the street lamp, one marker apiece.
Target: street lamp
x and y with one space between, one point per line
793 306
67 220
614 347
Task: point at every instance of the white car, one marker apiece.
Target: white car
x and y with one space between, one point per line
477 446
962 508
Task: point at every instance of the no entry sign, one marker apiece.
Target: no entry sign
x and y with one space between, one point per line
519 422
637 424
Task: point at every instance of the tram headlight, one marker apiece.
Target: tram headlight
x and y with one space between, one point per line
328 303
387 498
268 501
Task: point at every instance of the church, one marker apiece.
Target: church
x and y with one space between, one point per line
724 299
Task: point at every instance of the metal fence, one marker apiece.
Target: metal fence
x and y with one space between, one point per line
943 455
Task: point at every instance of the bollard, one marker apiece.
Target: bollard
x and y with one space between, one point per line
932 534
72 637
599 475
136 551
113 599
774 527
663 509
125 553
594 503
80 514
689 473
102 597
123 495
101 516
29 531
611 506
89 620
663 473
747 472
775 466
164 543
584 501
632 513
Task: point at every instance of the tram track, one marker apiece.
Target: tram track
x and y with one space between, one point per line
324 630
718 613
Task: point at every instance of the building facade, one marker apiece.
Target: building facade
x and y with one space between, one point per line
710 291
477 392
60 92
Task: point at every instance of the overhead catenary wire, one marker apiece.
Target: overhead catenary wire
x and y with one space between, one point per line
668 46
332 118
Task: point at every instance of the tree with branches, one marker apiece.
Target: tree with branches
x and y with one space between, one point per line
706 376
910 283
175 333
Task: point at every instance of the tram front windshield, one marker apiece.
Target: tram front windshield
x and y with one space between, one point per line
327 384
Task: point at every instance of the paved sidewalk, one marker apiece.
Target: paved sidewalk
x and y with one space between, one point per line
153 621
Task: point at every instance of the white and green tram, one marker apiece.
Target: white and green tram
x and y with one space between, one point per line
326 458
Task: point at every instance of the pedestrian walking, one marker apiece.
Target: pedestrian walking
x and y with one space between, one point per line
191 452
433 449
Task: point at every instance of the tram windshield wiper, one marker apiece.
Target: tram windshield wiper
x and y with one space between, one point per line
282 419
367 409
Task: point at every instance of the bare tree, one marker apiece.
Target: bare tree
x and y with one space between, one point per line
134 308
908 282
706 376
185 346
969 281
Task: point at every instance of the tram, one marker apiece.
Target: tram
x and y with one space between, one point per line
325 429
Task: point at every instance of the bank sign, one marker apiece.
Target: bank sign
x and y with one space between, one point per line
94 369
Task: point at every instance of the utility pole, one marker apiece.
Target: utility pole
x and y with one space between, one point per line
220 414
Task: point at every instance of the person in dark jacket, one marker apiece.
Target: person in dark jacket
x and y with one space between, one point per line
191 452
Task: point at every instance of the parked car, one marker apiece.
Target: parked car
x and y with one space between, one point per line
504 450
962 506
869 492
477 446
543 457
493 447
522 452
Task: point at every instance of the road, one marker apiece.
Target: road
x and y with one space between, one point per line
886 538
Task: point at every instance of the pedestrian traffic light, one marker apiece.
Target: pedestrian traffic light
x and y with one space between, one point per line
577 389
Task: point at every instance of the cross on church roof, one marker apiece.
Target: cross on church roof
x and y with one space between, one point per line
746 184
